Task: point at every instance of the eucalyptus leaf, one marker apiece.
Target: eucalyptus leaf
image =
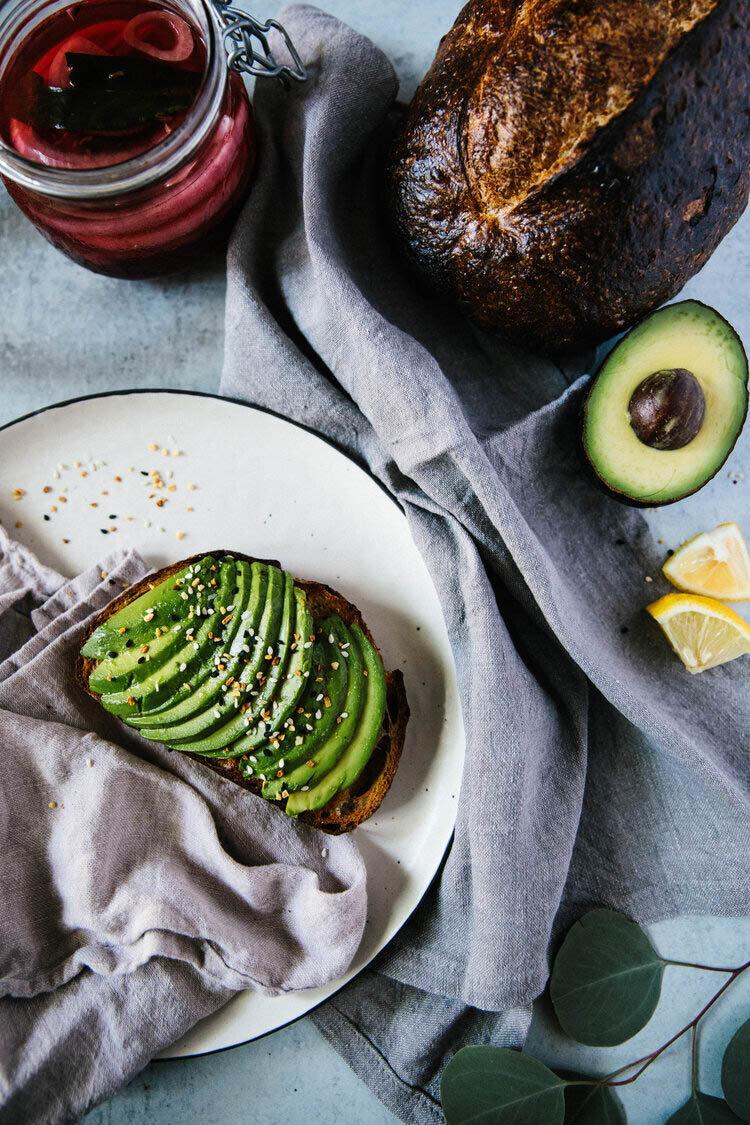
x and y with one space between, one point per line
606 979
496 1086
735 1072
591 1105
704 1110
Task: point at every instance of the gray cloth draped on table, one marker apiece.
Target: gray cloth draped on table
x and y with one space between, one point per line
138 893
597 771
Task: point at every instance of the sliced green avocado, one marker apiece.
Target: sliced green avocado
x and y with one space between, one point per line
357 754
200 725
312 720
276 660
188 663
132 662
240 636
284 693
158 602
667 405
331 749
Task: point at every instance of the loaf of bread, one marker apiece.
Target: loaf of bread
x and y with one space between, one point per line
567 165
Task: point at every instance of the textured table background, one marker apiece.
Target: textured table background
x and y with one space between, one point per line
64 333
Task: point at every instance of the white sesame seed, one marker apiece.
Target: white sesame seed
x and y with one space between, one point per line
183 666
217 713
344 714
324 852
90 762
331 638
305 788
298 740
317 714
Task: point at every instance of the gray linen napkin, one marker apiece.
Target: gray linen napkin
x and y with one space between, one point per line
138 891
597 770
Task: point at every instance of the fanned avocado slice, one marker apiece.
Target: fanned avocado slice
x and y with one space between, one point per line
133 662
284 700
357 754
333 747
198 647
195 641
240 636
276 659
215 715
163 598
328 705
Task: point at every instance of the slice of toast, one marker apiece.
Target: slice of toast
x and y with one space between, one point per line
349 807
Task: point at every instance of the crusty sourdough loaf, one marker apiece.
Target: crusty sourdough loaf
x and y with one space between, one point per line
349 807
567 165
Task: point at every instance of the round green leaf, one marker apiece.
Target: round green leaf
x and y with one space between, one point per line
592 1105
497 1086
606 979
735 1072
704 1110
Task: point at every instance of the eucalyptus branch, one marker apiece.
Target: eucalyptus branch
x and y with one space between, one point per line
647 1060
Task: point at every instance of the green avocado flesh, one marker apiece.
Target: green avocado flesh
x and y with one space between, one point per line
237 668
689 337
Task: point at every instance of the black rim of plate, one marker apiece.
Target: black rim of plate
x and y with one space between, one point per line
366 470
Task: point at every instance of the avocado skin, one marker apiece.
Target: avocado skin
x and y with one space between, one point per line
588 464
639 212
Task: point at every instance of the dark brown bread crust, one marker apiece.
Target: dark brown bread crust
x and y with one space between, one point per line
567 165
348 808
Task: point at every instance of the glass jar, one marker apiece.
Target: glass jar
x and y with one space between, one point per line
158 211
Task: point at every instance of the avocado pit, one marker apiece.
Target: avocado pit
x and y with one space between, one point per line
666 409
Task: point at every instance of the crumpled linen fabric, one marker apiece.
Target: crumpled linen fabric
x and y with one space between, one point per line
139 892
597 770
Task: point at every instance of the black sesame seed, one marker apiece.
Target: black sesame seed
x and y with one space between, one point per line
214 673
619 542
112 582
112 654
235 589
112 516
46 517
129 644
141 659
103 530
144 473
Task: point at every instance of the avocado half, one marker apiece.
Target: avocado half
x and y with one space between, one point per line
667 405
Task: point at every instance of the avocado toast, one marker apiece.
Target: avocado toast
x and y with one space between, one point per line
271 681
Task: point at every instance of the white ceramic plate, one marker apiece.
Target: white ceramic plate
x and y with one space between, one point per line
271 489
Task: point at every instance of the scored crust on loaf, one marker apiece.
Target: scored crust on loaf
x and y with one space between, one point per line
567 165
347 808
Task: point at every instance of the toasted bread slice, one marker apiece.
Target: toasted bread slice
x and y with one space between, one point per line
349 807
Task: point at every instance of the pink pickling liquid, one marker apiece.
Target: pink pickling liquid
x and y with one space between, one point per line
157 229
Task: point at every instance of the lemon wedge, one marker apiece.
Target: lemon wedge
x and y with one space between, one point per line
702 631
715 563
